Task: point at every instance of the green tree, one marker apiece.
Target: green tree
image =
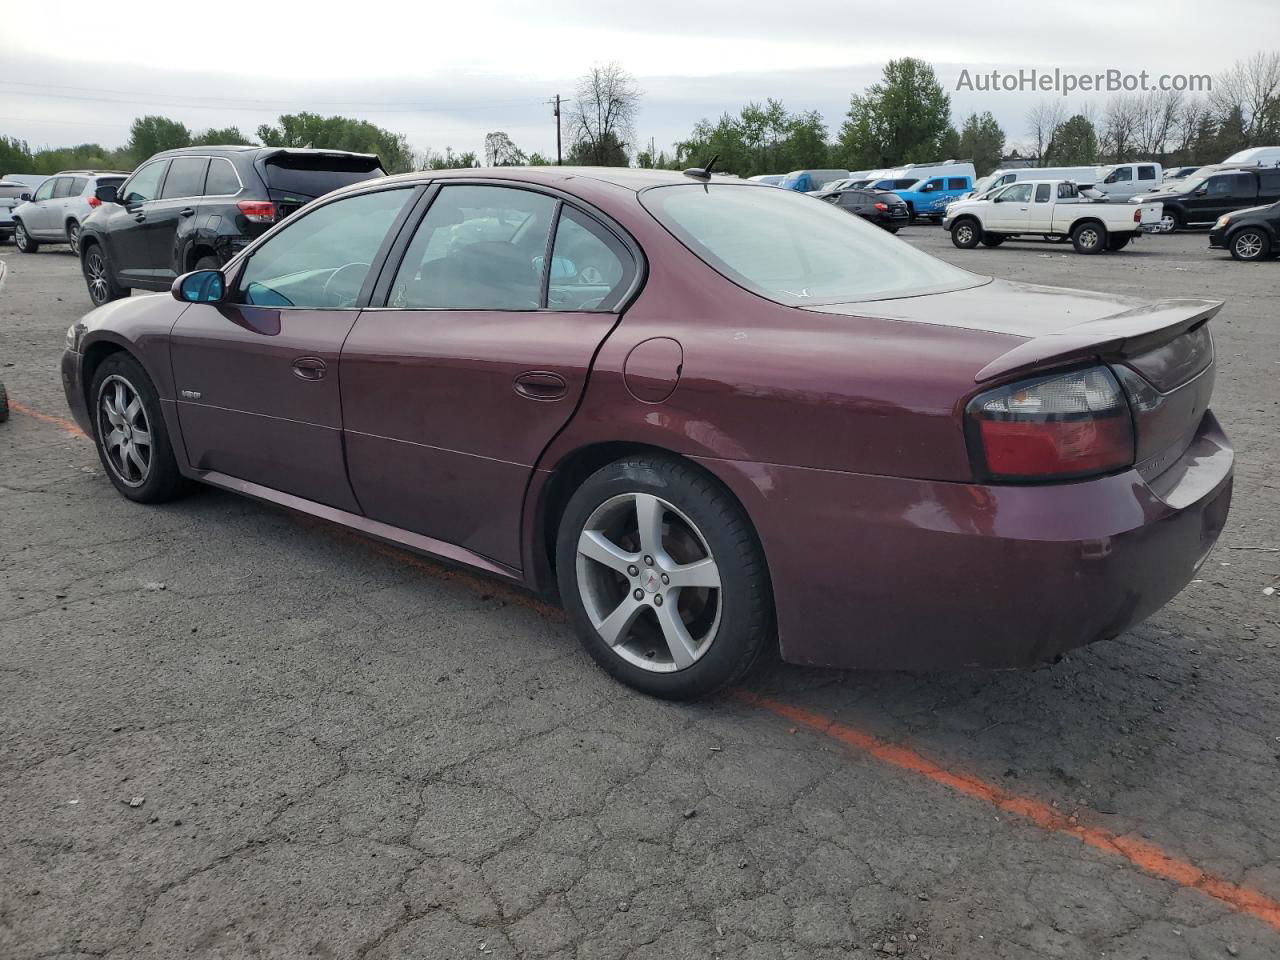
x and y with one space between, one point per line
982 141
224 136
805 144
605 150
340 133
15 156
151 134
500 151
538 160
902 119
1074 143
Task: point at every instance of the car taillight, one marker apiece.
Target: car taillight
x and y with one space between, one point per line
1137 215
94 201
1052 427
258 211
882 207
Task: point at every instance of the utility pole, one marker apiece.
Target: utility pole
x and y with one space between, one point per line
556 105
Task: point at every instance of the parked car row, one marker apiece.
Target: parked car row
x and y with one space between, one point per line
57 210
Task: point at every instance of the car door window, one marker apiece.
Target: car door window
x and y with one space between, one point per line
1018 193
62 188
321 260
1146 173
478 248
45 191
590 268
1220 186
222 180
1043 191
1244 188
145 184
957 183
77 186
185 179
1121 175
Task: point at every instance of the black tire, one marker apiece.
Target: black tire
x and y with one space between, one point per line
160 481
992 239
99 278
1089 237
208 262
1249 244
966 233
731 641
893 229
1171 219
4 404
1118 241
23 239
73 236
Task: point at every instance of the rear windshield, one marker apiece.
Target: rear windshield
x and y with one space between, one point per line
307 175
795 250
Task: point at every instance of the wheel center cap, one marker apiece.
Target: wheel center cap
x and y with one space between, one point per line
650 581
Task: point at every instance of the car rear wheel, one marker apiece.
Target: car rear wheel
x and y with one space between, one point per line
1170 220
23 239
4 404
1089 237
73 237
966 233
1250 244
992 239
129 432
98 277
663 578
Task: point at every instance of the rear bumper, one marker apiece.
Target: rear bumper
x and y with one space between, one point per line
887 573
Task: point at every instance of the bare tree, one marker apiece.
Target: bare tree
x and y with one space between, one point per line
1044 118
1120 126
1253 86
1156 116
501 151
602 116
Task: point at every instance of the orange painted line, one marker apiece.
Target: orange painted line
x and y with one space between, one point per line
1146 856
61 423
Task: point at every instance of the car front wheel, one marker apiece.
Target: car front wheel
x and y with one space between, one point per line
663 578
102 284
129 432
1250 244
965 234
23 239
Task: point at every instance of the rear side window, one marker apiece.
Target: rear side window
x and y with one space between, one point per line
1043 190
305 176
957 183
479 248
1270 183
77 186
185 179
222 180
590 268
321 260
62 187
1146 173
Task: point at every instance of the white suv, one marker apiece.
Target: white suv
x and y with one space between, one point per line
53 214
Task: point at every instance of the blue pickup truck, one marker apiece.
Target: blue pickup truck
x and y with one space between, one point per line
929 197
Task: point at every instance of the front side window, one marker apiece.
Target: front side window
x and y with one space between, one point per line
1120 175
185 179
589 266
321 260
46 190
478 248
1018 193
222 180
795 252
1221 186
145 184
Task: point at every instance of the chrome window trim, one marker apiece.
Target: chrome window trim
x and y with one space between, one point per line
204 196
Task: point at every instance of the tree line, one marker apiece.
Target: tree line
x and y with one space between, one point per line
904 117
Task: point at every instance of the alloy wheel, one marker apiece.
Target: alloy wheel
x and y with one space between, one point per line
964 233
95 271
1089 238
124 430
1248 246
20 237
73 238
649 583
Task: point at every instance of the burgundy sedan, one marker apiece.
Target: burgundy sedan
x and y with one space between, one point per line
713 415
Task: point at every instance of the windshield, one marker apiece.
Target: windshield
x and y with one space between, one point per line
983 184
794 251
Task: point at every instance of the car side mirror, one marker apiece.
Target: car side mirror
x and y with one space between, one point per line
201 286
25 198
107 193
1201 192
997 199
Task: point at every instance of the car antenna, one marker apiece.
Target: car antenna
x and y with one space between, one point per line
702 173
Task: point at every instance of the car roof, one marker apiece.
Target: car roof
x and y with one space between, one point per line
90 173
629 178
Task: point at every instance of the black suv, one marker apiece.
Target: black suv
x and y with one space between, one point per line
194 208
1205 196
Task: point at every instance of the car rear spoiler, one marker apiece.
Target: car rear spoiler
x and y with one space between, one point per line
1124 334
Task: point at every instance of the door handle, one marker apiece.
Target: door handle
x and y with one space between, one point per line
187 212
541 385
139 217
309 368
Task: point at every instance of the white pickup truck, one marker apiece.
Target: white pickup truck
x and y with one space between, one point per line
1053 209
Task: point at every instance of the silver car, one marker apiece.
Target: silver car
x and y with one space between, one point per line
54 213
11 192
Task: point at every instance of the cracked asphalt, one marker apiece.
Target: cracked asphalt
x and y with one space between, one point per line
339 750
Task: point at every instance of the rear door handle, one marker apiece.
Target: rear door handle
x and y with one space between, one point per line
541 385
187 212
309 368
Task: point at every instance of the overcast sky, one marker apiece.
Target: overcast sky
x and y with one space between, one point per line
446 73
